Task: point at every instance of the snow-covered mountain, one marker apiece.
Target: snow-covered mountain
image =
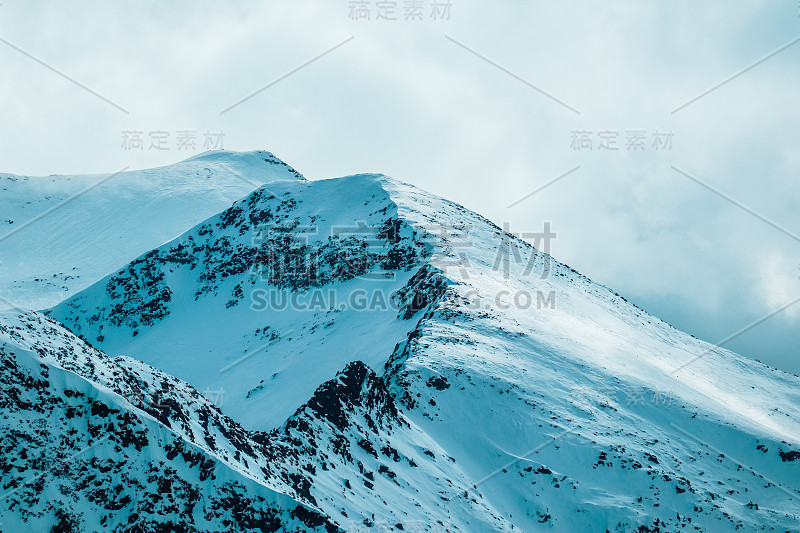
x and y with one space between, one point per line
384 359
60 234
93 443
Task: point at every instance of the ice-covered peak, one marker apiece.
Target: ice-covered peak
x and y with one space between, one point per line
59 234
491 377
259 165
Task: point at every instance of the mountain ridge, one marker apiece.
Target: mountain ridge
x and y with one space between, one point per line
528 397
46 252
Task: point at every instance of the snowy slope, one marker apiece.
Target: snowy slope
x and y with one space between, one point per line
551 401
186 307
92 443
60 234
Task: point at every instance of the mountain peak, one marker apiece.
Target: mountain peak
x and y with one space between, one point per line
400 362
251 164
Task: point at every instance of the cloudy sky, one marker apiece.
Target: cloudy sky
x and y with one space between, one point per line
694 215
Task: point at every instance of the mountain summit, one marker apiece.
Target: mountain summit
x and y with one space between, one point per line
59 234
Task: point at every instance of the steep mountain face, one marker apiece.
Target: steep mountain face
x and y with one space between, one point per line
60 234
370 468
392 361
270 298
93 443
